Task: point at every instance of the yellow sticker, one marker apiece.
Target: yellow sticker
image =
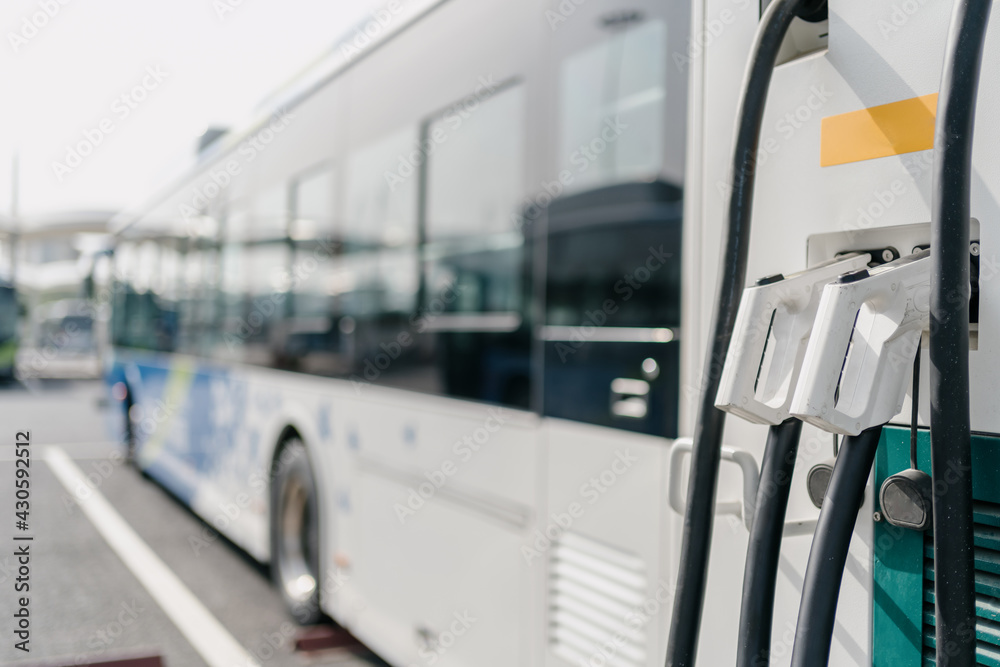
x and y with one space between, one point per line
888 129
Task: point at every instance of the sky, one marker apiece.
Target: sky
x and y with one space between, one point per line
104 100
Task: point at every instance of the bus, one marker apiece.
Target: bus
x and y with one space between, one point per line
413 339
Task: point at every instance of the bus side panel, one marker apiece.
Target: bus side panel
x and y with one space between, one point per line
608 584
449 580
433 502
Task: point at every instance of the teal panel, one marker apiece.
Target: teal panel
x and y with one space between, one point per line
902 623
897 569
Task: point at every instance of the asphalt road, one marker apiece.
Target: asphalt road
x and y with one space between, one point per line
85 604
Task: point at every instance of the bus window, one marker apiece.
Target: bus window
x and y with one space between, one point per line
612 308
254 284
474 296
355 281
121 267
612 102
198 300
146 293
310 339
231 300
381 194
256 259
314 206
267 218
476 174
265 289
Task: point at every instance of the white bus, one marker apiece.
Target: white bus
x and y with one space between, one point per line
414 338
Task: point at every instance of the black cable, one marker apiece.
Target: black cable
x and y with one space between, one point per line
951 444
914 407
696 538
828 555
761 570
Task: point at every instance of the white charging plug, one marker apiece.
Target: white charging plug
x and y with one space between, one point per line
772 328
859 358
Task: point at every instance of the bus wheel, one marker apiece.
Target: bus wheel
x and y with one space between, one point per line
295 534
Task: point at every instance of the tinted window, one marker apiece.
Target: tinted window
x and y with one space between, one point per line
355 275
475 292
254 283
381 200
145 299
613 308
635 265
315 206
198 307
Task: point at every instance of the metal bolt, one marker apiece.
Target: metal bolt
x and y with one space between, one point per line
877 516
974 248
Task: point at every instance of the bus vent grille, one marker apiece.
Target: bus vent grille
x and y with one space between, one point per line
987 536
596 597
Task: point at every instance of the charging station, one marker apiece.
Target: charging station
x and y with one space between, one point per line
846 167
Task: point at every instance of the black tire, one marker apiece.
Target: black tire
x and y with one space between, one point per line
295 534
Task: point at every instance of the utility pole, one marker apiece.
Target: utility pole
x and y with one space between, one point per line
15 224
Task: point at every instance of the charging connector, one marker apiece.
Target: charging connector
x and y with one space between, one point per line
769 340
859 357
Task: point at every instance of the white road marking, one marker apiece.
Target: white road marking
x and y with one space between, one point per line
212 641
83 450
